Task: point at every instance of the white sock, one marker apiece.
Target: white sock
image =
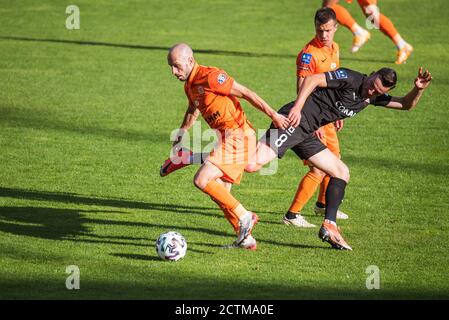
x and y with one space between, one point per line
359 31
400 44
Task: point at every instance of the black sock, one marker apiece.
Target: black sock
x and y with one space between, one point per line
290 215
320 205
334 196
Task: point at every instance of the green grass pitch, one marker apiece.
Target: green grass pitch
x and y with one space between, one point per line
85 119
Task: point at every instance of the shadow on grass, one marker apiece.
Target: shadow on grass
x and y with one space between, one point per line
117 203
165 49
23 119
275 243
63 197
71 225
66 224
399 165
160 284
136 256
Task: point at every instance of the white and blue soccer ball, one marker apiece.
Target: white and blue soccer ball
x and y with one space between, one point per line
171 246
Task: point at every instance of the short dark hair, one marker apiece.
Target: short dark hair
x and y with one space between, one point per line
324 15
388 77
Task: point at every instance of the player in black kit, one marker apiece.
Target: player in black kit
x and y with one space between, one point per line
324 98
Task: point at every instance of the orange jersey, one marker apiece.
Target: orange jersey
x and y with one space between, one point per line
316 58
209 89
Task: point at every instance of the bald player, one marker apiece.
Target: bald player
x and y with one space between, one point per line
212 93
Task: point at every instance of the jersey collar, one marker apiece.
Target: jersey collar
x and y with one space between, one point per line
318 44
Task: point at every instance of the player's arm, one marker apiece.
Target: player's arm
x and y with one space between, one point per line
241 91
411 99
190 117
309 84
299 82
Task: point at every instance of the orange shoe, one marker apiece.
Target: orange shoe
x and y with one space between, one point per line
359 41
331 234
403 54
181 160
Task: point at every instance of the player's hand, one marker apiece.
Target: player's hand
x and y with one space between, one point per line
339 124
423 79
320 133
280 121
295 117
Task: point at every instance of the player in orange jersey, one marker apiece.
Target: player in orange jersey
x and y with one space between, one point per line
214 94
319 55
372 12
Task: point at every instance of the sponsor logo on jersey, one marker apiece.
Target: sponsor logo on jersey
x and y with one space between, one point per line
341 74
306 57
213 117
344 110
221 78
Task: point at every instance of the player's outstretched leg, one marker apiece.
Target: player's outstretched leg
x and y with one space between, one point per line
181 159
184 157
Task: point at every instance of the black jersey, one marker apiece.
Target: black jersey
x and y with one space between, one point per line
340 99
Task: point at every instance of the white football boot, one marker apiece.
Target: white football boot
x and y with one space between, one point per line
298 221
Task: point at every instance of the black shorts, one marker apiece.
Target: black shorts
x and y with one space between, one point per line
304 146
300 139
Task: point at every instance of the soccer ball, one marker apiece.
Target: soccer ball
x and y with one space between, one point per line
171 246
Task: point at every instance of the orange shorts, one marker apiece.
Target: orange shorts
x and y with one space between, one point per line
330 140
232 154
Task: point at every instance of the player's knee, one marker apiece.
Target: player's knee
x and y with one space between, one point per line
200 182
343 172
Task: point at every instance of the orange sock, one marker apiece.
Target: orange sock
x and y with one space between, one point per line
344 17
223 197
230 216
306 189
387 27
323 188
233 220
